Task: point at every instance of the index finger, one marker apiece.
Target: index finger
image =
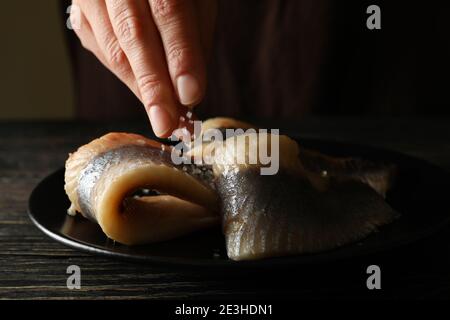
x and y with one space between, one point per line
139 38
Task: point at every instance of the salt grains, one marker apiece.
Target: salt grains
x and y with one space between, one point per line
185 131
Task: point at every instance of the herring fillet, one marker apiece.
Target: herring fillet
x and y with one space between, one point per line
314 203
102 176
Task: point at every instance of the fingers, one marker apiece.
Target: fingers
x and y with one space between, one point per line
155 47
85 34
141 43
107 47
176 23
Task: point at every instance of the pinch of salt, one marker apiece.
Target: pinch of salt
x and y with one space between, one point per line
184 134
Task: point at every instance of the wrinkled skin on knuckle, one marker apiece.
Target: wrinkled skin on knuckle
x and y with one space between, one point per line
114 54
164 11
128 27
179 58
151 88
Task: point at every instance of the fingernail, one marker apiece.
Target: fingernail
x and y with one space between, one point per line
188 89
161 121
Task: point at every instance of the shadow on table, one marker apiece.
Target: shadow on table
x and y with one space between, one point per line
419 270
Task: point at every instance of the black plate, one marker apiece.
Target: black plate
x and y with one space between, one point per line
419 195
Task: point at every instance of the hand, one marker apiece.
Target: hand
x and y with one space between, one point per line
158 48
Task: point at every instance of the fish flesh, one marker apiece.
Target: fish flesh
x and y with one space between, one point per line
103 177
314 203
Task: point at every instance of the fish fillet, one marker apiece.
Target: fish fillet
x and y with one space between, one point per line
102 176
314 203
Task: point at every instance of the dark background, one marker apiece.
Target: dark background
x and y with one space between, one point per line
311 68
284 59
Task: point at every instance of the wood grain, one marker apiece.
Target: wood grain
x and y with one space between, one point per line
33 266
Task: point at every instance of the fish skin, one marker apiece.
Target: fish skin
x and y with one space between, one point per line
78 160
379 175
283 214
102 176
133 156
298 210
293 212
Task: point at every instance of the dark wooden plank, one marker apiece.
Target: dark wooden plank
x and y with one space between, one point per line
34 267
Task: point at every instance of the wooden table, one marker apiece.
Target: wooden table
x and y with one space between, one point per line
32 266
